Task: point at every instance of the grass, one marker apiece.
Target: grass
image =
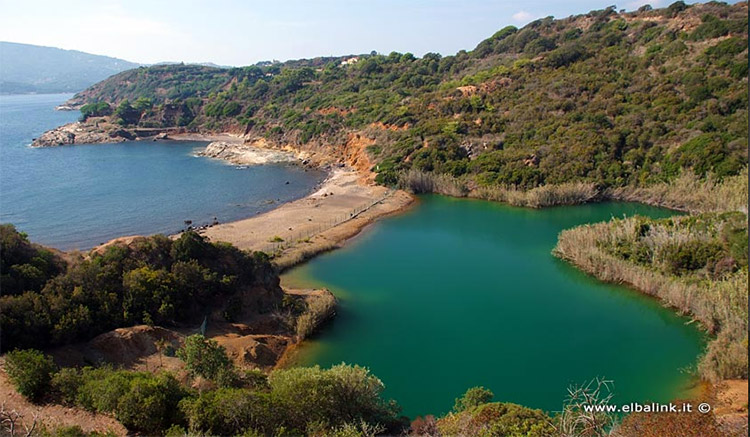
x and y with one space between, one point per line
572 193
687 192
690 193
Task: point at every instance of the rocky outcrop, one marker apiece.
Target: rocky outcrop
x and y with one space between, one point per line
98 131
81 133
245 154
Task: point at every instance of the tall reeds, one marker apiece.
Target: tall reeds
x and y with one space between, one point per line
690 193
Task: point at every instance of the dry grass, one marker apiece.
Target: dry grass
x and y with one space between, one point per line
320 307
286 259
719 305
571 193
422 182
690 193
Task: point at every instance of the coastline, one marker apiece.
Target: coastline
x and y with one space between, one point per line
345 204
298 230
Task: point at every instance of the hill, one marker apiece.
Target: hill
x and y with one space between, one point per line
27 68
607 98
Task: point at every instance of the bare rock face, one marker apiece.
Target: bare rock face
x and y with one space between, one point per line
82 133
245 154
55 137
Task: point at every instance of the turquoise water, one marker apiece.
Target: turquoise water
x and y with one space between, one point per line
457 293
79 196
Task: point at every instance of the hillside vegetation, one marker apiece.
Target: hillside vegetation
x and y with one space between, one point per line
605 98
154 280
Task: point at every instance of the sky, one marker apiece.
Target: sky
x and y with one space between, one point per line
235 32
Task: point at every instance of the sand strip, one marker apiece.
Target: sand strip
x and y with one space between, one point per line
298 230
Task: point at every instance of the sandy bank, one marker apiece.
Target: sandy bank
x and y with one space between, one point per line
297 230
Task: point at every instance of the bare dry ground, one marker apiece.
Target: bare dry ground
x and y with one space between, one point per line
52 415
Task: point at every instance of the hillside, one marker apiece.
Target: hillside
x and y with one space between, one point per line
27 68
613 99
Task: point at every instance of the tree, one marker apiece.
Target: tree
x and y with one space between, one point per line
126 114
30 371
204 357
96 109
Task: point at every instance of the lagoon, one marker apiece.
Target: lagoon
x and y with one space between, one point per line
458 293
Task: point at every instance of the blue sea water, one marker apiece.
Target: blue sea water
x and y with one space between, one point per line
76 197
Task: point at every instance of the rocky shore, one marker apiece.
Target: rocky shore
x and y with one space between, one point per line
99 131
246 154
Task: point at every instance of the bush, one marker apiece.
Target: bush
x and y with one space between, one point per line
152 280
339 395
30 371
150 405
497 419
228 411
141 401
473 397
97 109
204 357
66 383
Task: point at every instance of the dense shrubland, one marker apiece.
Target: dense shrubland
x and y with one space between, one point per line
697 264
23 265
286 402
340 401
154 280
605 98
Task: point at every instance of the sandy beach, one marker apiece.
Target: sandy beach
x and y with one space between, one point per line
321 221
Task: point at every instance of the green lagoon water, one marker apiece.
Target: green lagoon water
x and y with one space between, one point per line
457 293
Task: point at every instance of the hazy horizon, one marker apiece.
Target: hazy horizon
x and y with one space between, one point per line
236 33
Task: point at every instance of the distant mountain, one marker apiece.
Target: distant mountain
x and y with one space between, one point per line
26 68
201 64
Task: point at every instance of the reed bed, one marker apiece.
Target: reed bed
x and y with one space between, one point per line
690 193
320 307
571 193
687 192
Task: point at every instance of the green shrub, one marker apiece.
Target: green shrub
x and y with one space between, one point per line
228 412
66 383
681 258
341 394
30 371
473 397
497 419
141 401
150 404
204 357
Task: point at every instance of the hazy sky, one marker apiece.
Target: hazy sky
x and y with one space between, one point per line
234 32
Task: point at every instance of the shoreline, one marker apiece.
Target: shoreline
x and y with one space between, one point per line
339 209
